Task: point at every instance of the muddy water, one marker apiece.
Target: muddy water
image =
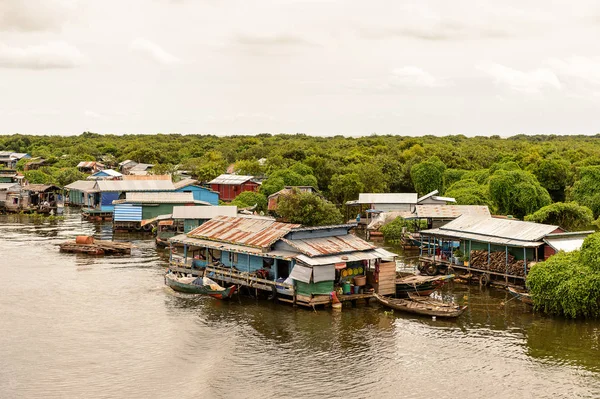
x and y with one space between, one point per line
103 327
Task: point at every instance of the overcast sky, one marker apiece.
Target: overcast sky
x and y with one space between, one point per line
312 66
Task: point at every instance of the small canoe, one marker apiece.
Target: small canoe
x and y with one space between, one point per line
198 285
420 285
521 294
423 306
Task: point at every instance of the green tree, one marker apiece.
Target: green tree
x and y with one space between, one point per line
517 192
38 177
207 167
569 216
344 188
469 192
65 176
249 167
251 198
568 283
272 185
308 209
428 175
586 189
554 176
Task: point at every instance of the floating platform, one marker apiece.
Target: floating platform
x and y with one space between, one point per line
89 246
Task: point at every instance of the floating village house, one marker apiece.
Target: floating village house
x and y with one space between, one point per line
82 193
90 166
106 174
374 204
511 246
230 186
274 198
11 176
9 159
34 164
43 198
140 209
190 217
300 265
200 193
10 197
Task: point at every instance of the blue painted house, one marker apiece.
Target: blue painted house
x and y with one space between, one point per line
200 193
111 190
301 264
106 174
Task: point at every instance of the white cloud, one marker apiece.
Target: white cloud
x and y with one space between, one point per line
34 15
579 70
92 114
52 55
522 81
412 76
154 52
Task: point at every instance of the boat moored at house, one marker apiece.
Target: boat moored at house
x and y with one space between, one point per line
299 265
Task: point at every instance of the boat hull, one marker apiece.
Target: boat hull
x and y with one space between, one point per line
521 295
425 307
198 289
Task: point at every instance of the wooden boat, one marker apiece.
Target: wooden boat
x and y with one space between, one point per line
420 285
423 306
521 294
198 285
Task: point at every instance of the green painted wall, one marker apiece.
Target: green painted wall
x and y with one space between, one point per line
152 211
322 288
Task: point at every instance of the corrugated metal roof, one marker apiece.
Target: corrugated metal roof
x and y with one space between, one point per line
431 194
377 253
89 164
140 167
242 231
387 198
450 211
320 246
497 231
127 213
110 172
223 246
446 199
147 177
40 188
184 183
135 185
203 212
566 243
159 198
7 186
231 179
87 186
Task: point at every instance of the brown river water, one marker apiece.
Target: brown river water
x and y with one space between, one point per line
73 326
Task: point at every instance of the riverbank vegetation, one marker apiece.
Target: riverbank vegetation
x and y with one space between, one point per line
568 284
517 176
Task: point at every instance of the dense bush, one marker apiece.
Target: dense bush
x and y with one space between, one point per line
569 283
569 216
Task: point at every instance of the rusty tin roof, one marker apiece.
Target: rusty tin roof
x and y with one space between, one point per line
320 246
258 233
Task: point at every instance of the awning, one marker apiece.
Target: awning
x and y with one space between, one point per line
323 273
301 273
377 253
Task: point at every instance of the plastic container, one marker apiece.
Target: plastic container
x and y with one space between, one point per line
356 289
84 240
360 280
346 287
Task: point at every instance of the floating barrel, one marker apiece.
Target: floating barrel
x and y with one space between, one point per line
84 240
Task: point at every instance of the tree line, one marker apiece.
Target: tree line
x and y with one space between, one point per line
546 178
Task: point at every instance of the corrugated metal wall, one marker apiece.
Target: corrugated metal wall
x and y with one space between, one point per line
127 213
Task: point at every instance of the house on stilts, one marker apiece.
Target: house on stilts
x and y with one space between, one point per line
295 264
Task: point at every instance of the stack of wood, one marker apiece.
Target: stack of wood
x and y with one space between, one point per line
497 262
87 245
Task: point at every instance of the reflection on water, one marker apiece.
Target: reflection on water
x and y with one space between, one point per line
78 326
